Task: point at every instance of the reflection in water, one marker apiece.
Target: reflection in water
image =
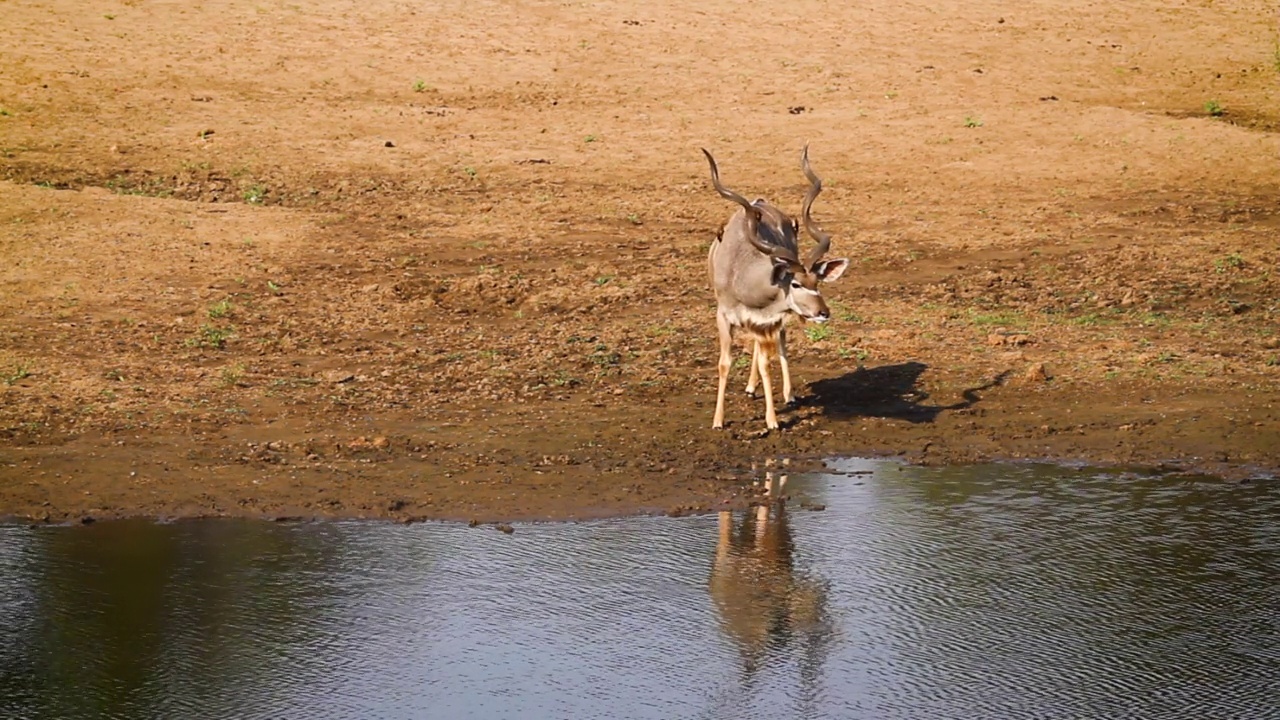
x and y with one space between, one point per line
763 603
1004 591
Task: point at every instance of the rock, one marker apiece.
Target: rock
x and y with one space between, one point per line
506 528
381 443
998 339
388 144
337 376
1037 373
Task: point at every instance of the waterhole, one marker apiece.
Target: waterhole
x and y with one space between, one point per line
965 592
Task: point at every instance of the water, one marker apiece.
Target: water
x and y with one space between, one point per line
984 592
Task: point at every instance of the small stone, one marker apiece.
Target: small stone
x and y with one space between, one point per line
473 522
503 527
1271 343
337 376
381 443
388 144
1037 373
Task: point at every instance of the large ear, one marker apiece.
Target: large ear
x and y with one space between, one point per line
829 270
781 267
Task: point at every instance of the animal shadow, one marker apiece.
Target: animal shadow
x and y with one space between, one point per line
888 391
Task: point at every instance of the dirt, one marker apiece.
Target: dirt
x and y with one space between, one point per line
384 259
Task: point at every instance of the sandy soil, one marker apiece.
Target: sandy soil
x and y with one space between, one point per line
446 259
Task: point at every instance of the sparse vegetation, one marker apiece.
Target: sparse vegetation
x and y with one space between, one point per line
211 337
419 85
1005 319
14 373
1234 261
232 374
254 194
817 333
972 122
857 354
1214 108
220 309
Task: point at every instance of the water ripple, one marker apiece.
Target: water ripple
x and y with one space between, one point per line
1003 592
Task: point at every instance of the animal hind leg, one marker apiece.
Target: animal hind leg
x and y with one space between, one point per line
770 415
755 369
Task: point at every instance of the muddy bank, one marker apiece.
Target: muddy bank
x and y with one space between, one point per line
575 463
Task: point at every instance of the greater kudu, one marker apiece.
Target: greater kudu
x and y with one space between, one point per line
760 282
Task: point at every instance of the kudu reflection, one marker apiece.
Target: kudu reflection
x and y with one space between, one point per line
763 603
760 282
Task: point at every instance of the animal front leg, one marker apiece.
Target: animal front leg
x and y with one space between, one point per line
755 369
787 396
726 360
770 416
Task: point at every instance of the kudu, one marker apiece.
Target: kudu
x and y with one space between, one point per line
760 282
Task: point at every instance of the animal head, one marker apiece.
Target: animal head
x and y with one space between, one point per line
775 234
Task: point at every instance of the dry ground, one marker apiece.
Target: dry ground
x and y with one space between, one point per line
446 259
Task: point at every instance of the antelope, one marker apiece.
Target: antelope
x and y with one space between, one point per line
760 282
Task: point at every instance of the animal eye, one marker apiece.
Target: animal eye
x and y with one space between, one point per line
795 284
